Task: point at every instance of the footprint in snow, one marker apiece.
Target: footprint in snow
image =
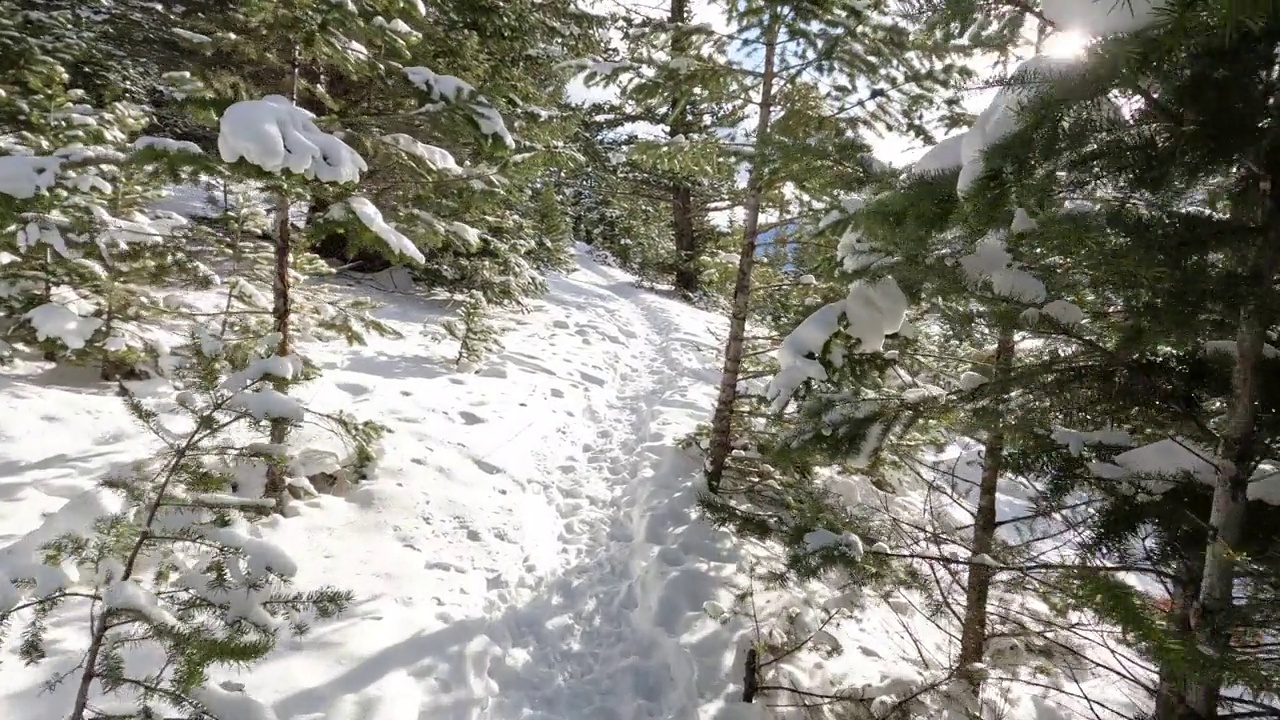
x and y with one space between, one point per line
471 418
562 324
355 389
557 393
593 379
487 467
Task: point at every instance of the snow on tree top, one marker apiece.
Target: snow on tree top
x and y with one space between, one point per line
874 311
276 135
965 150
23 176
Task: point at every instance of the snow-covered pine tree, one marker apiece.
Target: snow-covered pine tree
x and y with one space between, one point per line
84 249
1125 349
1182 186
876 58
175 579
438 148
673 74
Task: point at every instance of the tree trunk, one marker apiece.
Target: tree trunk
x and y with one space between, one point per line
973 633
687 276
1237 456
721 422
686 242
1171 690
1211 617
281 312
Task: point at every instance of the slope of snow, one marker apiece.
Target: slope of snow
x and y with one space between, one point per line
527 547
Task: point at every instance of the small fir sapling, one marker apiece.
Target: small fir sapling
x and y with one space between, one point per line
169 561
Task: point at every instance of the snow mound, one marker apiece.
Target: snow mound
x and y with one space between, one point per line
23 176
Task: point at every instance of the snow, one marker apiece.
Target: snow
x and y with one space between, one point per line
1157 466
528 544
128 595
457 91
1064 312
228 705
964 151
57 322
1228 347
265 403
167 145
277 135
1022 222
1098 18
1075 441
372 219
1000 118
437 158
23 176
990 261
527 547
193 37
823 539
943 157
872 312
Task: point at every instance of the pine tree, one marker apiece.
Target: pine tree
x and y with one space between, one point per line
171 563
1123 346
85 250
673 74
833 44
474 330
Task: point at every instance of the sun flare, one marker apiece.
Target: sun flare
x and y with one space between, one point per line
1066 44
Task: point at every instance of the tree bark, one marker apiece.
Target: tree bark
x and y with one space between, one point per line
687 276
281 313
1237 457
722 420
1172 702
973 632
1210 618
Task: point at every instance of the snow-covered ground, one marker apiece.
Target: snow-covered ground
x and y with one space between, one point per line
527 547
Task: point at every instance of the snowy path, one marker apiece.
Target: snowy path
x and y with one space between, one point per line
616 615
587 611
